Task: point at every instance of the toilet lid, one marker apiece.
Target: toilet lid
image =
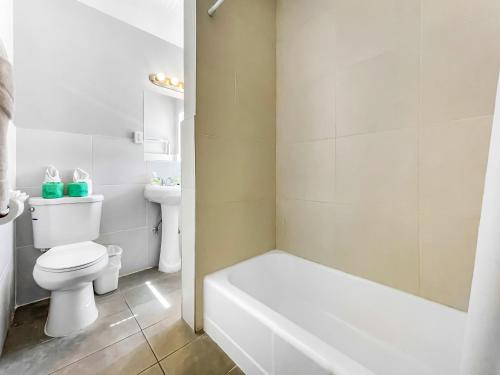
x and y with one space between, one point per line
73 256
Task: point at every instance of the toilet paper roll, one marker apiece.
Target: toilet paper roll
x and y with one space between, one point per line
16 208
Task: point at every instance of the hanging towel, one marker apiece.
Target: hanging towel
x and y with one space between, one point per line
79 175
6 111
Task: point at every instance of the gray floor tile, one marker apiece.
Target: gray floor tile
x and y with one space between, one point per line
28 327
127 357
57 353
112 303
138 278
169 335
201 357
149 290
154 370
153 302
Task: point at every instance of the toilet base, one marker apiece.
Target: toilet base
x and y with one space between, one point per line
71 310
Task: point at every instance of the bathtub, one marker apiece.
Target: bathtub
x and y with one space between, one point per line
282 315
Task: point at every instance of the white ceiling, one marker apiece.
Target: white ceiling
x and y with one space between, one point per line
162 18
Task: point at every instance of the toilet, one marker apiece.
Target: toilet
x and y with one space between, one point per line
64 230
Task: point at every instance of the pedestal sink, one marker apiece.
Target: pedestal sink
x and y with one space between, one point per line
169 197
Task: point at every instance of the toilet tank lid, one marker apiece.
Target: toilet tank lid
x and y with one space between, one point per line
39 201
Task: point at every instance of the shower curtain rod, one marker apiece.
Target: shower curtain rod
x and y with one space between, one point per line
214 7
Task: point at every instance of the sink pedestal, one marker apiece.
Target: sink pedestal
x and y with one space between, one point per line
170 256
169 198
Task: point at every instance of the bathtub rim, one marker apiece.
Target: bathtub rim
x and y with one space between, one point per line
325 355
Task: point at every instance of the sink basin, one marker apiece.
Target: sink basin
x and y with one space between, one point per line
169 197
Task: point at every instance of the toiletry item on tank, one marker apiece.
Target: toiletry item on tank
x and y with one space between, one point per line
79 175
78 189
52 190
52 186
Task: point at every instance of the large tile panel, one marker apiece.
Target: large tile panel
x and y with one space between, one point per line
127 357
378 242
234 170
36 149
124 207
460 62
377 168
306 170
306 228
118 161
453 161
134 243
366 29
381 93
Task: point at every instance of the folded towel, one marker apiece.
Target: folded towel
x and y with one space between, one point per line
51 174
6 111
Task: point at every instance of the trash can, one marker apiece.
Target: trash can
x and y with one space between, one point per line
108 281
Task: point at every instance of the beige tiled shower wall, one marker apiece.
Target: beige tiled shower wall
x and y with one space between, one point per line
235 135
384 111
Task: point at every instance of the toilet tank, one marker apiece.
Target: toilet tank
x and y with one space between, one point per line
65 220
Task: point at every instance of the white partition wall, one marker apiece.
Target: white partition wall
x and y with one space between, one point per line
188 165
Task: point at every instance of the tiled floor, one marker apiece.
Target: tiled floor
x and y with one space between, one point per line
139 331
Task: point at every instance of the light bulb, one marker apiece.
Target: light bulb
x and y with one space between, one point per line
160 77
174 81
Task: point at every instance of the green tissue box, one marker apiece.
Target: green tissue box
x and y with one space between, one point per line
52 190
78 189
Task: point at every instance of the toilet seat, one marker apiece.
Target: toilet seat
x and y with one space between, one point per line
72 257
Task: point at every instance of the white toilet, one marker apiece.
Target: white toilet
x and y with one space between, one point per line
67 226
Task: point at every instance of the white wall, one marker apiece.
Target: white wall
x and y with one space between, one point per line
162 18
188 208
7 231
80 80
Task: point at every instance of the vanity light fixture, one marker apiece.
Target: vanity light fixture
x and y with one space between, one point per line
162 80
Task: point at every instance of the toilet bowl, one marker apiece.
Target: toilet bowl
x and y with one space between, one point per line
68 271
64 229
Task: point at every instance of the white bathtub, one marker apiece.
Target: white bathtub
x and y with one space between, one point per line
280 314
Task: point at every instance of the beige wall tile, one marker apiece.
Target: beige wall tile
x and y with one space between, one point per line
453 159
306 53
233 170
378 242
368 28
294 14
460 64
377 168
235 132
305 170
306 228
381 93
409 108
306 113
228 233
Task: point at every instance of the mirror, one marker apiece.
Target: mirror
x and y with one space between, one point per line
163 115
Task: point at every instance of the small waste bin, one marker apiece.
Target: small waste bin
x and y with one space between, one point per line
108 281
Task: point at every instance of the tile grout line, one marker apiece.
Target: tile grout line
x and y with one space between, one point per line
103 348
